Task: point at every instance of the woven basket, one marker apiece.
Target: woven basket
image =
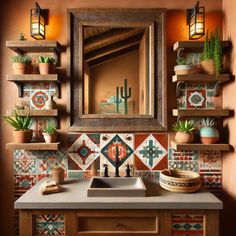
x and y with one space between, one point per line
180 181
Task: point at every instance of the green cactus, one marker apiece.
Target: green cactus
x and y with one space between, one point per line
117 100
125 94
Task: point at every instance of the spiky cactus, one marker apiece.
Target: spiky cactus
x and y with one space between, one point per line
125 94
117 100
184 126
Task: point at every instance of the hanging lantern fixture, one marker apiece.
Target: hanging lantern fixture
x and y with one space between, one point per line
196 22
38 20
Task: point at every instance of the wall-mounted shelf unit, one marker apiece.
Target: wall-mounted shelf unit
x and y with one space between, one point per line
204 78
200 146
200 112
33 146
53 112
20 80
195 46
34 46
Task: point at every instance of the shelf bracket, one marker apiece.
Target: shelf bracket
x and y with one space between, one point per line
20 88
217 88
178 85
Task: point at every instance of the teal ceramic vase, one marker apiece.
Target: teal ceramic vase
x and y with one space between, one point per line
209 135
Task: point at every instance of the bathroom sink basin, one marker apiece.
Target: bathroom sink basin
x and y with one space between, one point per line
116 187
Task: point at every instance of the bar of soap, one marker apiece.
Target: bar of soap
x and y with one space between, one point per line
49 187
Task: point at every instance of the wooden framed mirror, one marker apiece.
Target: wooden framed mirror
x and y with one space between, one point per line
117 67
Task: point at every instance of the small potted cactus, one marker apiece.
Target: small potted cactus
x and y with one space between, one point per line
182 67
46 65
21 64
184 131
208 133
49 132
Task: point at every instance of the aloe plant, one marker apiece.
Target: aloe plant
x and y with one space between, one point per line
50 128
24 59
184 126
208 122
18 122
46 59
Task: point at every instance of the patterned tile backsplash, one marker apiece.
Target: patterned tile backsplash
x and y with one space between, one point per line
147 153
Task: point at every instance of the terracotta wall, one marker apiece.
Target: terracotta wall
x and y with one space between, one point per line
15 19
229 159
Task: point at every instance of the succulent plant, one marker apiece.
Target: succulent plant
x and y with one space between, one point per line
46 59
208 122
18 122
181 61
184 126
21 59
50 128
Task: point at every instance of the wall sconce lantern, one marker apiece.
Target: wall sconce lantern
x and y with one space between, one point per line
38 22
196 21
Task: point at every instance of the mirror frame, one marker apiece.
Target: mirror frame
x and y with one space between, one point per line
154 19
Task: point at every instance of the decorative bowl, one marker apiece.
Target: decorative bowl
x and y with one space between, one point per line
181 181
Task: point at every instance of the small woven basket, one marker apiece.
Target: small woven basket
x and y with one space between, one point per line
180 181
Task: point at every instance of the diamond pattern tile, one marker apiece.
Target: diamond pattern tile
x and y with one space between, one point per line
83 152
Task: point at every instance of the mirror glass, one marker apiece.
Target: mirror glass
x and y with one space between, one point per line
116 73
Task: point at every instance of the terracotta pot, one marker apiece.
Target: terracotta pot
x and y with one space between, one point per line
181 137
46 68
183 69
19 68
50 138
23 136
209 135
208 67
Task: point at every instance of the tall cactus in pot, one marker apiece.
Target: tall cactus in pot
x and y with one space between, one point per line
125 94
117 100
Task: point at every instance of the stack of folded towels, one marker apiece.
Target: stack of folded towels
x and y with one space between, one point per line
49 187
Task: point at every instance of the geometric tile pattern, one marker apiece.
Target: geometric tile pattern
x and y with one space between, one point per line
48 224
196 95
24 182
110 144
151 150
83 151
185 160
185 224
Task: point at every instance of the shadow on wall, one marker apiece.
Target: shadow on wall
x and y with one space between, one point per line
228 215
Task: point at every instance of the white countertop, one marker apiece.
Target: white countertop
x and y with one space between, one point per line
74 196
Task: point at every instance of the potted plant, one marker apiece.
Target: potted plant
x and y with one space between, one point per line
46 65
21 64
211 58
184 131
49 132
208 133
182 68
22 132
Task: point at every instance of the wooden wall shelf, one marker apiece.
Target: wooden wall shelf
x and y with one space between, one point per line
201 78
33 78
19 80
34 46
53 112
195 46
33 146
200 146
200 112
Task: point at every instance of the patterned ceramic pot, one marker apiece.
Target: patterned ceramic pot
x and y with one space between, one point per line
50 138
208 67
23 136
209 135
180 180
181 137
183 69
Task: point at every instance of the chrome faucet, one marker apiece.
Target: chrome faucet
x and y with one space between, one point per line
117 162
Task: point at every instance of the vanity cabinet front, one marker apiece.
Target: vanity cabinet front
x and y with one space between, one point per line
123 222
